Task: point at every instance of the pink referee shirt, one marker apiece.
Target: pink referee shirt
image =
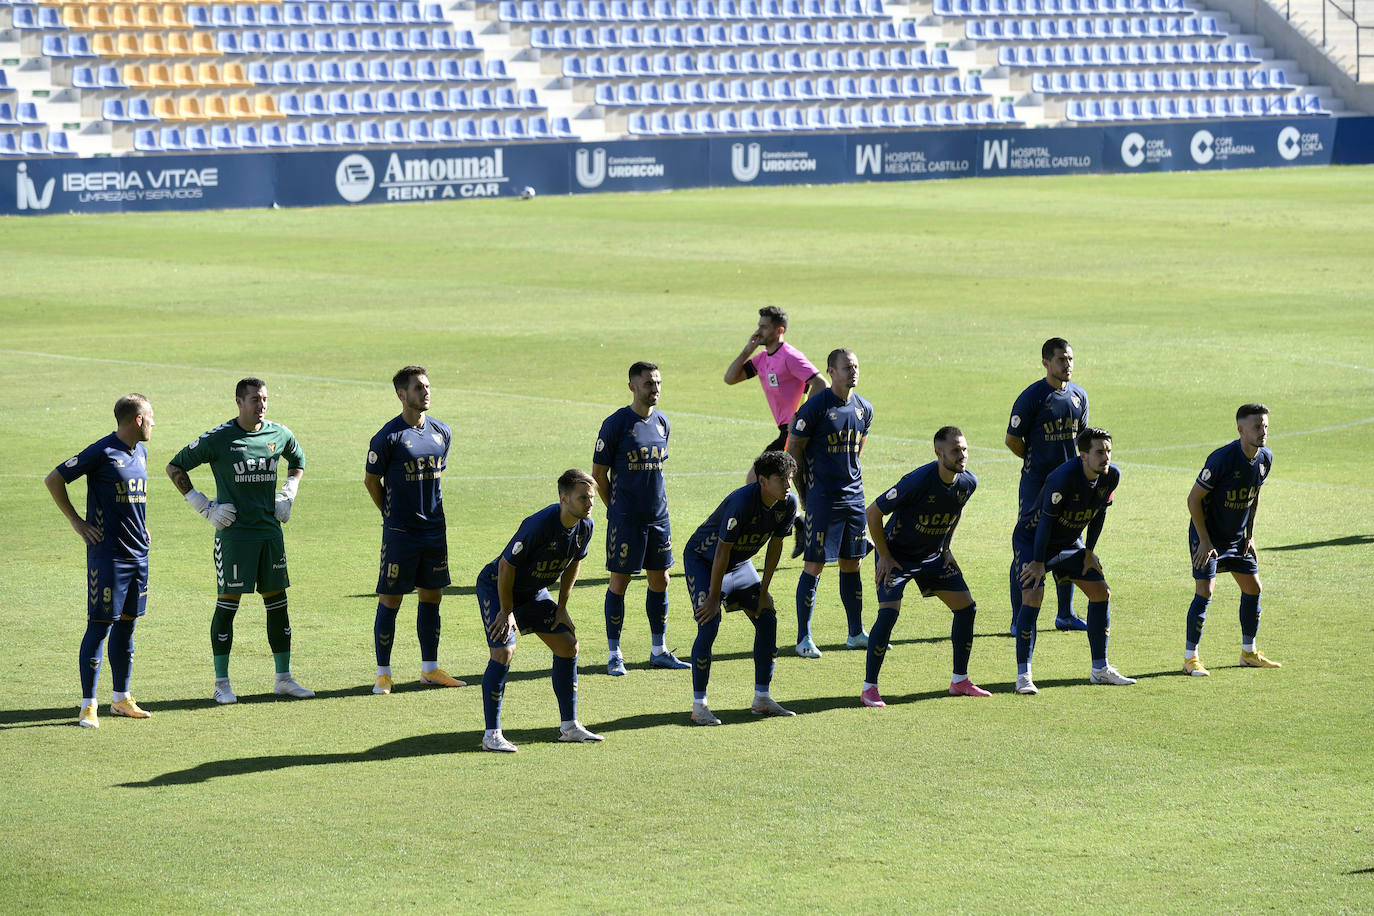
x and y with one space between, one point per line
783 375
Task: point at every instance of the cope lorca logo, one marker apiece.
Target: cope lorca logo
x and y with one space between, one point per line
1293 143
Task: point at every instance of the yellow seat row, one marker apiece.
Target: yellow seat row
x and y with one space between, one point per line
217 108
186 76
153 44
87 3
106 17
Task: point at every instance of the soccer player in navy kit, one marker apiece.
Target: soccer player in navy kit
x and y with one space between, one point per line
628 468
1221 533
1060 538
1044 421
404 477
513 592
923 510
828 436
116 535
720 574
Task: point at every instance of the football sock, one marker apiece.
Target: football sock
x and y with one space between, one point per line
1249 618
1099 628
961 635
493 690
877 642
1015 591
852 597
384 633
1064 592
565 687
1197 616
222 635
701 652
427 628
279 632
806 602
760 691
656 606
121 652
119 695
1025 637
383 669
90 658
765 647
698 698
615 619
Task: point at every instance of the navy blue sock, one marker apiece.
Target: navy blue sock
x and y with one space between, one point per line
1015 592
806 603
1099 628
565 686
427 628
121 652
1249 616
656 606
493 691
384 633
765 647
91 655
961 635
1025 637
701 653
615 617
1064 591
1197 616
877 643
852 597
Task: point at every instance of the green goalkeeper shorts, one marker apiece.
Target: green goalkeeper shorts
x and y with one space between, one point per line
257 565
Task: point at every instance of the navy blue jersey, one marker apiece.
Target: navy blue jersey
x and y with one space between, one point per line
411 460
924 511
634 448
541 550
743 521
836 429
1232 482
116 496
1048 419
1068 504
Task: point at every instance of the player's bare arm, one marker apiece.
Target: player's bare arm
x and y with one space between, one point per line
1205 551
565 587
376 489
886 562
770 566
499 631
814 385
735 373
58 488
601 473
1016 445
180 479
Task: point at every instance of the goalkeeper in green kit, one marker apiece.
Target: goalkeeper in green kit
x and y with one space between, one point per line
247 512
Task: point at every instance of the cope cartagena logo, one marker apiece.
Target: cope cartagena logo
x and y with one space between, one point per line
419 177
1205 147
32 192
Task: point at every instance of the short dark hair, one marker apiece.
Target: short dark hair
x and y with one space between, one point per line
1052 346
947 433
401 380
245 385
776 316
773 463
836 355
573 478
642 367
1090 434
1251 410
130 406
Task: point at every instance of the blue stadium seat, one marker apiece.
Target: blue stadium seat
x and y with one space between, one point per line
171 140
246 137
370 132
145 141
110 110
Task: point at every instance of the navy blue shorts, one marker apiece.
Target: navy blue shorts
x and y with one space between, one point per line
533 613
930 578
1066 565
835 532
411 561
739 590
1230 560
116 588
632 545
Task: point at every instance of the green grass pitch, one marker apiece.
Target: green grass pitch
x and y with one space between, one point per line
1183 295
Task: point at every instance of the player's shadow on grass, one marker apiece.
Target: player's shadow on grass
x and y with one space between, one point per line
1352 540
66 715
471 590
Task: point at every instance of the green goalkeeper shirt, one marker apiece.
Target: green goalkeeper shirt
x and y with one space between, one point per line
245 467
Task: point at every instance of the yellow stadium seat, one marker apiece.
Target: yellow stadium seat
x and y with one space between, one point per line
234 75
98 17
179 45
203 44
208 75
174 17
265 106
241 106
216 109
165 108
74 17
152 45
148 17
184 75
160 77
124 17
135 77
188 108
127 46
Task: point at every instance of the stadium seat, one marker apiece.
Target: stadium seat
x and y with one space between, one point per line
171 140
145 141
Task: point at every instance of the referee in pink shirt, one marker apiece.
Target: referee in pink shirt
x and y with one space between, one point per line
787 377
